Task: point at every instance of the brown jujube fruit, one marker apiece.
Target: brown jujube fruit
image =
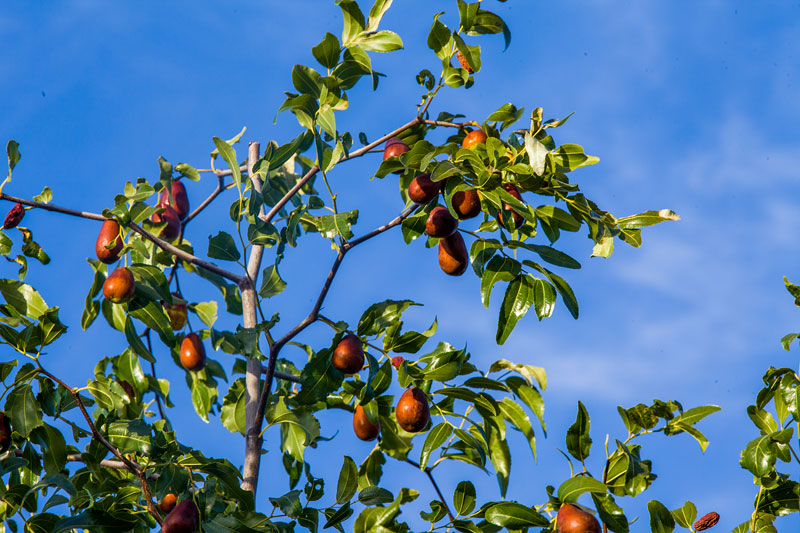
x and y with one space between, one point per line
363 428
177 314
440 223
519 220
109 233
14 216
182 519
573 519
473 139
120 286
453 255
171 231
412 411
193 355
394 147
348 356
5 432
463 62
706 521
422 190
180 199
467 204
168 503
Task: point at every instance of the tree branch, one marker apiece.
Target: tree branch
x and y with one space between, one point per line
216 192
96 435
164 245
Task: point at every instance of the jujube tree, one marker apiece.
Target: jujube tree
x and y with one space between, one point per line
493 194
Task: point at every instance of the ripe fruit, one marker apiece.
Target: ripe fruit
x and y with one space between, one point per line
519 220
364 429
171 231
394 147
573 519
5 432
467 204
412 411
168 503
109 234
453 256
706 521
119 286
473 139
14 216
182 519
348 356
180 201
193 355
463 62
177 314
397 361
422 190
440 223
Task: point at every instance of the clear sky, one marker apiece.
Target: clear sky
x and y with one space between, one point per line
690 106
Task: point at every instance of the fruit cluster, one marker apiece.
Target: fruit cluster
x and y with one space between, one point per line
412 411
466 204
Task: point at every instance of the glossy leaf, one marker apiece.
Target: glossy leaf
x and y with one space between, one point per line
579 442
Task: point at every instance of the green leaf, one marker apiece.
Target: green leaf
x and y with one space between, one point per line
23 298
571 489
271 282
532 374
579 443
648 218
661 520
537 153
353 20
329 226
481 252
439 38
130 436
517 417
437 436
222 246
348 481
486 22
374 496
327 51
135 342
571 156
759 456
610 513
229 155
23 409
153 315
512 516
381 315
464 498
203 396
544 298
188 171
379 41
500 268
12 149
517 301
233 408
377 12
685 515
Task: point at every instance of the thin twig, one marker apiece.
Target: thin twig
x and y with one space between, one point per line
96 435
458 125
435 486
216 192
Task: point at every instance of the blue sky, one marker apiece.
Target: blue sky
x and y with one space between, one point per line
690 106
